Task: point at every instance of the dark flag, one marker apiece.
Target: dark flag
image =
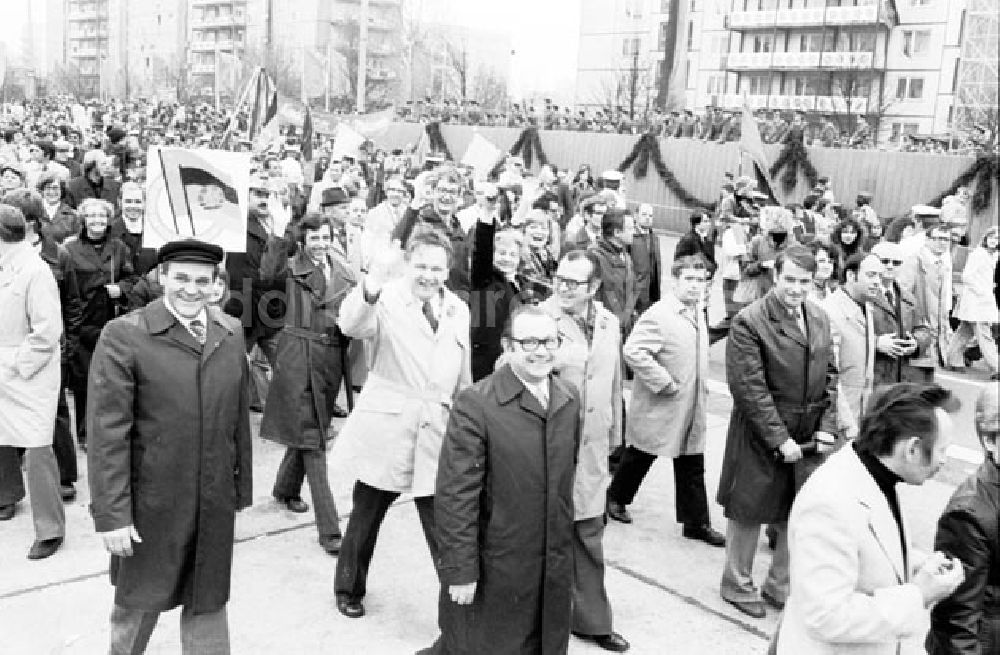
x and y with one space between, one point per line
307 136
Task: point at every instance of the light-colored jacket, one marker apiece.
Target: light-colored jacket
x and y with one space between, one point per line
977 304
734 248
930 285
850 588
382 219
596 372
853 337
30 328
395 432
668 352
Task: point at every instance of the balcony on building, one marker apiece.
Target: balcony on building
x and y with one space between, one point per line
203 69
216 3
865 14
211 22
225 45
88 14
831 60
382 74
809 103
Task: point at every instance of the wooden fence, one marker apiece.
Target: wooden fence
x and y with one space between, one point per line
897 180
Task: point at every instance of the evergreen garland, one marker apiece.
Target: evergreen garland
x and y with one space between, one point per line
527 145
978 178
647 149
793 157
437 141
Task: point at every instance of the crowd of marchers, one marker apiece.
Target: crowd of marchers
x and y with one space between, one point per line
506 352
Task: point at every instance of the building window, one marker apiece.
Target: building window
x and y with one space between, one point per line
916 42
688 79
665 6
159 20
762 42
690 37
920 3
910 88
694 5
631 47
661 40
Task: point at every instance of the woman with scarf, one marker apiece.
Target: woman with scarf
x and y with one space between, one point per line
60 220
104 274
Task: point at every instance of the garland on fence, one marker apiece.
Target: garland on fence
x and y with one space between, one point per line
437 141
528 144
647 149
794 156
978 178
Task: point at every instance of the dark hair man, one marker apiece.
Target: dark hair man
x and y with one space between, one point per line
783 380
853 587
170 454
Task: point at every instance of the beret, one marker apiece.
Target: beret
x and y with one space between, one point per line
334 196
190 250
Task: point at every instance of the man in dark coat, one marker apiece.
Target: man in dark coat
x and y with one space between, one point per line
170 454
698 241
93 183
504 504
968 621
618 285
894 313
646 260
303 391
783 380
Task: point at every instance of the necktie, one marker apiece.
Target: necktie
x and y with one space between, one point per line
801 321
197 330
889 298
429 315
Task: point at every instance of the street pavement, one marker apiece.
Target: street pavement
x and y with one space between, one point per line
664 588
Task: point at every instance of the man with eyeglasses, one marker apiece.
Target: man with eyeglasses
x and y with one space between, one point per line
590 360
895 320
928 276
385 216
512 436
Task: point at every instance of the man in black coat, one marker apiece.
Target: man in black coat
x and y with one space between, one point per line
504 503
93 183
698 241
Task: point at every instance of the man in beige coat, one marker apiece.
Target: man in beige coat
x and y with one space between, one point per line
30 328
590 360
928 277
668 352
419 332
852 328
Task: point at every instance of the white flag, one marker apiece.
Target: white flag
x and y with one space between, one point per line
482 155
345 143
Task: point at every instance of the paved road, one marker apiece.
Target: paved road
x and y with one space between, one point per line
664 588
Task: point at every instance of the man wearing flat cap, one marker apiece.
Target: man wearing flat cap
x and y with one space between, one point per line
170 454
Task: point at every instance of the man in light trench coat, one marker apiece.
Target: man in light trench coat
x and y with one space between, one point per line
668 352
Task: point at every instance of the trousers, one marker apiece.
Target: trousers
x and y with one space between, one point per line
310 465
42 473
981 333
742 540
201 634
370 506
62 442
690 496
591 607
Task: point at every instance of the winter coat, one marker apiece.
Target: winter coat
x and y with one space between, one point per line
503 510
853 332
594 370
668 353
977 303
169 452
968 621
394 433
30 329
309 361
65 223
899 318
80 188
458 276
693 243
784 386
492 299
930 285
760 251
618 285
647 266
254 299
69 296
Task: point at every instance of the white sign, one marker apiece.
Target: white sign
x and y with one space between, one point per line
482 155
202 194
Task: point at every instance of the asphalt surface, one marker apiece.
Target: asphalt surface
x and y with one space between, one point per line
664 588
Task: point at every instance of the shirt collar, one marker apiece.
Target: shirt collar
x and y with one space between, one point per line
186 322
540 390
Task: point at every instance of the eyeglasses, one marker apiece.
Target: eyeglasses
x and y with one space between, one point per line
941 238
530 344
569 283
894 262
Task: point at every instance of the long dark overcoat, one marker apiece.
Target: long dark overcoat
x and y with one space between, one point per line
308 366
783 386
169 452
504 512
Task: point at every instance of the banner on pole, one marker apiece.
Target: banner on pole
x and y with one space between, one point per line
201 194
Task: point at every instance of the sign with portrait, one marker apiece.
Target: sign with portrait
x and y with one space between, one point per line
201 194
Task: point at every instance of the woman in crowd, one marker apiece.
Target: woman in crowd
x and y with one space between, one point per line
825 279
11 177
849 237
775 237
104 273
735 251
60 220
977 307
538 262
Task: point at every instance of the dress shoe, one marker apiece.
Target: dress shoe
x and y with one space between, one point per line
331 544
772 601
705 533
752 608
613 642
67 491
296 505
44 548
350 607
339 412
7 512
618 512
